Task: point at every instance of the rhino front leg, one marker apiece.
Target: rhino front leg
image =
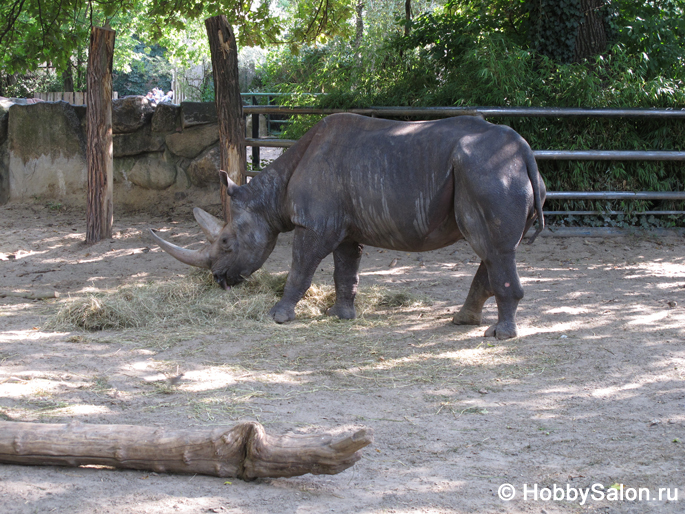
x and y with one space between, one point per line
309 249
471 313
346 259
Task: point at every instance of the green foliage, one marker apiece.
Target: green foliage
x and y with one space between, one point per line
57 32
452 57
553 26
23 86
317 21
150 69
249 59
655 28
207 93
37 31
28 36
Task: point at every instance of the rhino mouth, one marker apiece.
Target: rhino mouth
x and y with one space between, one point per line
227 282
222 282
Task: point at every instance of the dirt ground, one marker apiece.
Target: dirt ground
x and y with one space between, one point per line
590 394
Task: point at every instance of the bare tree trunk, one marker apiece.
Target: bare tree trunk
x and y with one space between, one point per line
79 62
359 25
6 82
407 16
359 34
68 78
245 451
229 106
99 151
591 38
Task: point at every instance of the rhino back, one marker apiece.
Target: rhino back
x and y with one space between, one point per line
384 183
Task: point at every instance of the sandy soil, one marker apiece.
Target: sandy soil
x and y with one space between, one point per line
590 393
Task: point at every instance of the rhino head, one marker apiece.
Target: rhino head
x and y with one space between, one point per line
236 249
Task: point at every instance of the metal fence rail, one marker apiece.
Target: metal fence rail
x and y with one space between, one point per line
499 112
609 155
614 195
541 155
486 112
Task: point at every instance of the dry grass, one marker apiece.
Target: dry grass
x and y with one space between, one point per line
196 301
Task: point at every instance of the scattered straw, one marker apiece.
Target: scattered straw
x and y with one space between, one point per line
196 301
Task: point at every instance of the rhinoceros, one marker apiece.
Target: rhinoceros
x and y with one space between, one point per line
352 180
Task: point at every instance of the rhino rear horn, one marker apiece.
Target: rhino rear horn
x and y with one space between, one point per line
198 258
231 187
209 224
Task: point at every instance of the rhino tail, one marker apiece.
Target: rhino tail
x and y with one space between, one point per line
534 177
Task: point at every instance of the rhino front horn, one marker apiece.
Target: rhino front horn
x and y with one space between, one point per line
197 258
231 187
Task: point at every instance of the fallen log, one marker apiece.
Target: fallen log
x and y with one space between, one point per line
31 295
245 451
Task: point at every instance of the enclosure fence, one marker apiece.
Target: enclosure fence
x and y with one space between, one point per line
74 98
504 112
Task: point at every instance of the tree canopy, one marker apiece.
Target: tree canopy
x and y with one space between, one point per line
38 31
513 53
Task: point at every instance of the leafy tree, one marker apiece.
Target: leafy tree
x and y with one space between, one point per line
569 30
57 32
481 52
655 29
315 21
150 70
33 32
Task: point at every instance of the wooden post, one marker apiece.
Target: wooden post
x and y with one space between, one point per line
99 149
245 451
229 106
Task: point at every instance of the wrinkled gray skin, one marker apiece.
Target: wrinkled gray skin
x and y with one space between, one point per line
353 181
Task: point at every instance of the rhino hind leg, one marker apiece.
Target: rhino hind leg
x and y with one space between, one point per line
496 276
505 283
471 313
346 259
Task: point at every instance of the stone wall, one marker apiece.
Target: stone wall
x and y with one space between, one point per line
160 153
4 152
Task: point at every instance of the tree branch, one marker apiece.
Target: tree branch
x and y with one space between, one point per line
245 451
12 18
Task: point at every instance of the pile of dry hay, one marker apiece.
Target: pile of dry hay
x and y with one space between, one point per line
195 300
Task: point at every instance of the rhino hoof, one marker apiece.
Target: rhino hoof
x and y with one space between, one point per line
502 331
466 318
342 312
281 314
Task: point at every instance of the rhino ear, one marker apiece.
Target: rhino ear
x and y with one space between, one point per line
231 187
